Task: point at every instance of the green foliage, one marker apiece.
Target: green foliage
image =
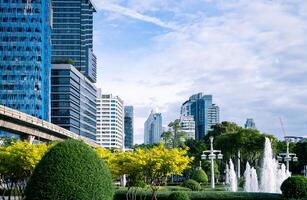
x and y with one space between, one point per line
192 184
19 158
68 61
178 196
206 165
196 148
300 149
121 195
173 188
222 128
200 176
294 187
70 170
175 137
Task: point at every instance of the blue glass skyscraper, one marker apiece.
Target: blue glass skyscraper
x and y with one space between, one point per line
128 124
204 112
72 35
25 56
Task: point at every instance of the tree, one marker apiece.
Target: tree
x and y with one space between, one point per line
222 128
196 148
111 160
70 170
159 163
206 165
300 150
153 165
250 142
200 176
175 137
18 160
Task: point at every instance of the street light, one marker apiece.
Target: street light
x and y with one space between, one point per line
211 155
287 157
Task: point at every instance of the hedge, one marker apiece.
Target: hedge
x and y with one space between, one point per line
121 195
295 187
70 170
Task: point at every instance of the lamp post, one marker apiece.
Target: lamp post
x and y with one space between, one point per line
212 156
287 156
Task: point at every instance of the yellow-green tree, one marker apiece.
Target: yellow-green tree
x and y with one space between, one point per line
159 162
17 163
111 159
151 166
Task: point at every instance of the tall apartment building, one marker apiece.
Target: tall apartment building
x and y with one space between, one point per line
72 35
128 124
250 123
187 125
73 100
110 121
25 56
205 113
153 128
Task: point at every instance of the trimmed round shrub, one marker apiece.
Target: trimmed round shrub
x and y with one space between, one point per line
178 196
294 187
71 170
200 176
192 184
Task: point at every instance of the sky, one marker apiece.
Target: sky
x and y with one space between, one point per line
250 55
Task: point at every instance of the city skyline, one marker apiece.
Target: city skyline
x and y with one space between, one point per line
158 53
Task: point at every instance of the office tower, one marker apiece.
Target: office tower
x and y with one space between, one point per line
25 56
110 121
72 48
250 123
73 100
72 35
128 124
153 128
205 113
187 125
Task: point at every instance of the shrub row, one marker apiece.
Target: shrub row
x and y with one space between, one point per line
295 187
121 195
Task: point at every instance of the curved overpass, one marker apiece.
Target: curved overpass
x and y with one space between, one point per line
25 125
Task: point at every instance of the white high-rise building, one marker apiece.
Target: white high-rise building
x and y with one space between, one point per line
187 124
110 121
153 128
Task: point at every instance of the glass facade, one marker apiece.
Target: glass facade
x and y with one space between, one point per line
128 110
153 128
25 56
72 35
73 100
204 112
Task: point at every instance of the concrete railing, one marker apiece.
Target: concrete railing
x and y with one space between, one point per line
41 124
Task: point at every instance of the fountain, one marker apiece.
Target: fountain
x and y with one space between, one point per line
233 183
251 179
247 178
272 175
254 181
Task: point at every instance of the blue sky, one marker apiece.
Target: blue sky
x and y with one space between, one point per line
250 55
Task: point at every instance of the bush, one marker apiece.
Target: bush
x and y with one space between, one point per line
121 195
178 196
70 170
192 184
294 187
200 176
173 188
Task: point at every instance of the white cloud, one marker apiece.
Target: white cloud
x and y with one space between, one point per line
112 7
251 56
